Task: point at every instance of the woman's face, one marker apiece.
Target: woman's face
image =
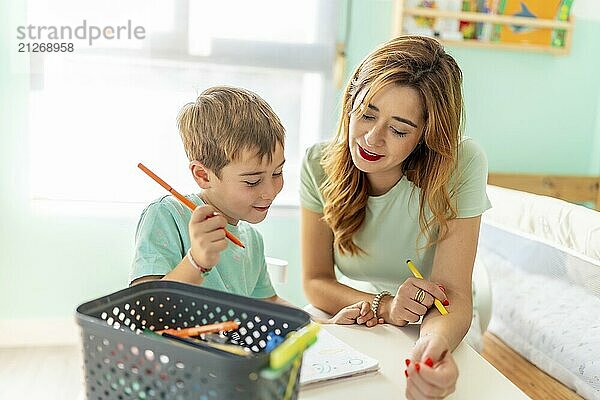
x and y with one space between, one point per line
387 132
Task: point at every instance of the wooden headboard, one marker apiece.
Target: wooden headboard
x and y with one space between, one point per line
571 188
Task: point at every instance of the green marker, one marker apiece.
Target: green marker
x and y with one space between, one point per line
293 346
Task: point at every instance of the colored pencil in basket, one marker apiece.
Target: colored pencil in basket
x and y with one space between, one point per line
229 348
415 271
198 330
184 200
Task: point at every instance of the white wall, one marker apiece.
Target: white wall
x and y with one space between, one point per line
587 9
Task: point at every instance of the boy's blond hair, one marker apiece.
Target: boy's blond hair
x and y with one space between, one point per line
223 122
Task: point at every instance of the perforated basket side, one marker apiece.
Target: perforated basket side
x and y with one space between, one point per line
163 305
122 363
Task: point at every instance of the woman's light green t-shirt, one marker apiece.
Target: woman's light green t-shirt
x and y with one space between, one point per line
391 227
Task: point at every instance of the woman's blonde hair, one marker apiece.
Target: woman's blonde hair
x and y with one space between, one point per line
422 64
223 122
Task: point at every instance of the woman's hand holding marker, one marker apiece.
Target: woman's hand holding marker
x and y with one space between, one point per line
412 300
431 372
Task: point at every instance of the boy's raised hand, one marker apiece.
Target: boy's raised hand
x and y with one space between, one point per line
207 235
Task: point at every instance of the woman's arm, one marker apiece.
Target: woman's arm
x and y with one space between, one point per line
318 277
453 267
431 367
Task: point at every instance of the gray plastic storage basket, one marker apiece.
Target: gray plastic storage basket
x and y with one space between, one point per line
122 361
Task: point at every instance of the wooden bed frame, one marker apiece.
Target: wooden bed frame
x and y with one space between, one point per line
571 188
534 382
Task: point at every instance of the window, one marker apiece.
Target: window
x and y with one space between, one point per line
95 113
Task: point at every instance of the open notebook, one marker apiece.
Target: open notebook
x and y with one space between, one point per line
330 358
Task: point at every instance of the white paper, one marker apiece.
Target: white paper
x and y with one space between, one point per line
330 358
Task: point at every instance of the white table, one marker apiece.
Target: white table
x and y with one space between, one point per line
391 346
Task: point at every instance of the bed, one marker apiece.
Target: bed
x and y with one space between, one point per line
542 258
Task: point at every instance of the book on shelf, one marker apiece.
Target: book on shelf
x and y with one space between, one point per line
542 9
468 28
450 28
559 35
483 30
444 28
419 25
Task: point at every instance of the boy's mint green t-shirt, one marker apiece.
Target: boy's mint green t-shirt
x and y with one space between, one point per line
162 240
390 230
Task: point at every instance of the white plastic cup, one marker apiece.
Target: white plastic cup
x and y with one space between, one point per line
278 269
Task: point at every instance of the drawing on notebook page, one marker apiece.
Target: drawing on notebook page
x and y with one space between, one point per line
330 358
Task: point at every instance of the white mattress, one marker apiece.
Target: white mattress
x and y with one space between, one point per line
546 304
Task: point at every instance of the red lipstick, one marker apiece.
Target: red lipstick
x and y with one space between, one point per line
368 155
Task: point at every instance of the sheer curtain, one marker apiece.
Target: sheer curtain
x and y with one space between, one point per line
98 111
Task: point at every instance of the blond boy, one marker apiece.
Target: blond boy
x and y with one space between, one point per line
235 144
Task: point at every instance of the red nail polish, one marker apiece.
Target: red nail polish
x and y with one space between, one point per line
407 361
417 367
446 302
442 287
406 373
429 362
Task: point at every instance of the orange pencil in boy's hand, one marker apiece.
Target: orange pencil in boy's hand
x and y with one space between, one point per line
183 199
198 330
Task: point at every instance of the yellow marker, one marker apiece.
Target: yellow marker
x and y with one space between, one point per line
289 390
230 348
294 344
417 274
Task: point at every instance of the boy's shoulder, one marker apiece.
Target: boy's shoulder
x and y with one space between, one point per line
167 201
169 204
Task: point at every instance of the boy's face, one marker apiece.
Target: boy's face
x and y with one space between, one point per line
247 186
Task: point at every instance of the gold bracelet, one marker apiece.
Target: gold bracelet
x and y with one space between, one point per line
377 301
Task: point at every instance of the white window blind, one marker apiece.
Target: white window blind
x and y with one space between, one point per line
95 113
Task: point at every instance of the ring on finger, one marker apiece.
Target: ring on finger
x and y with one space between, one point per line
419 296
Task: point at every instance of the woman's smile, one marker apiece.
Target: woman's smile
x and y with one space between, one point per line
368 155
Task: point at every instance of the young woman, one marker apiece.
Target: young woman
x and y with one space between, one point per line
399 182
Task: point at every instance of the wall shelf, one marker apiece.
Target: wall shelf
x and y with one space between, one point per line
400 12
